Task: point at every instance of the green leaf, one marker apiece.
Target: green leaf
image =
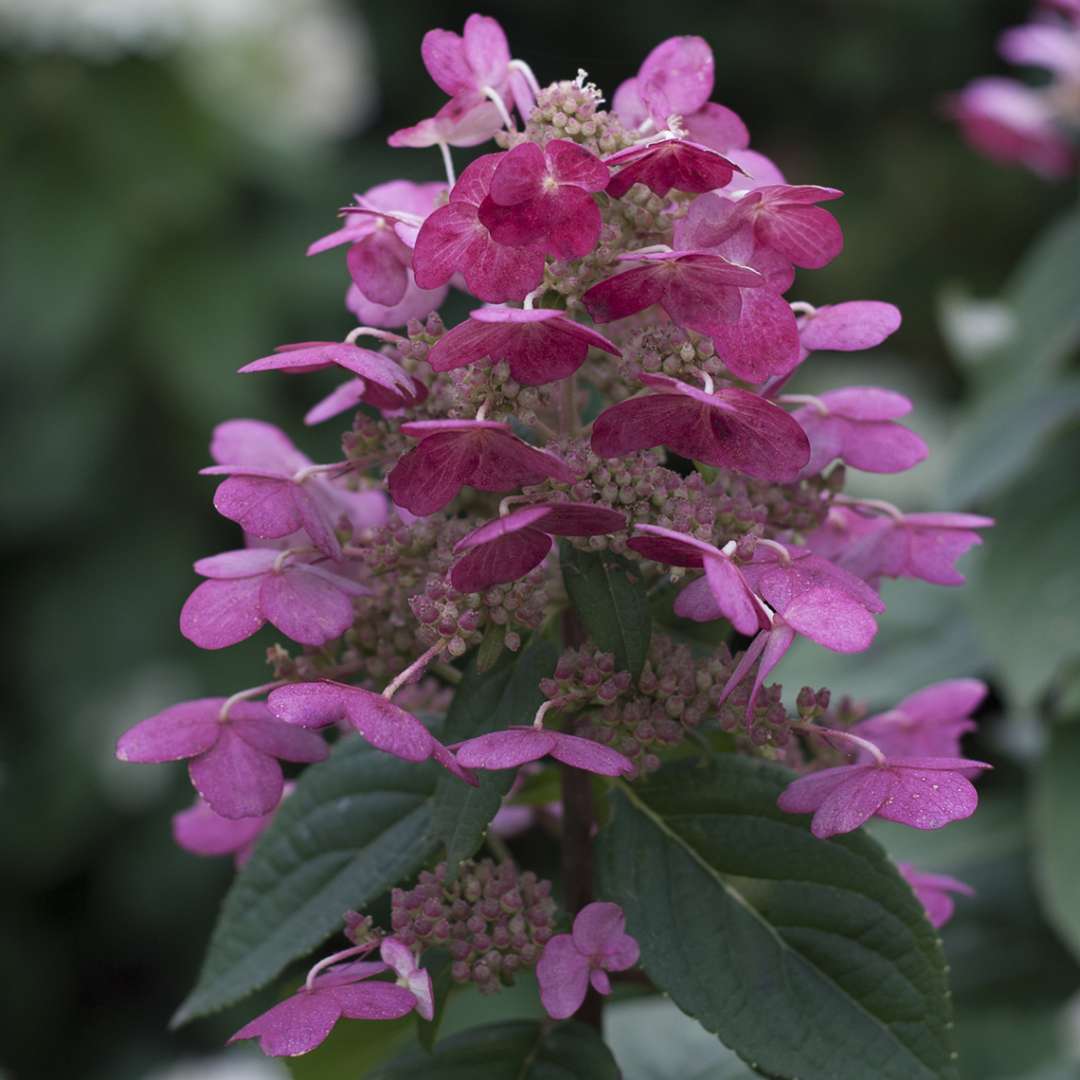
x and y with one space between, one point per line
507 694
1026 596
1004 433
515 1050
610 597
1046 317
356 825
809 958
1055 811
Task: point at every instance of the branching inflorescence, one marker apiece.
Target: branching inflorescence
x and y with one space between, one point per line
620 392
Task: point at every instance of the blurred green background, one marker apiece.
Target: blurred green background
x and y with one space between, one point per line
164 165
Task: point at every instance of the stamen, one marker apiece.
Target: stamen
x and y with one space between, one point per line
801 307
782 552
538 719
315 470
855 740
880 505
805 399
414 668
246 695
530 299
448 162
530 78
370 331
495 98
355 950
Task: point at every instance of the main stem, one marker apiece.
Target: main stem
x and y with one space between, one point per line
577 840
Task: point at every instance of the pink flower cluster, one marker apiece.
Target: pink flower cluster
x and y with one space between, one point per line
621 387
1015 122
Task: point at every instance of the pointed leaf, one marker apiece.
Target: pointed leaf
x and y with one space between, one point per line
611 600
356 825
808 958
512 1050
507 694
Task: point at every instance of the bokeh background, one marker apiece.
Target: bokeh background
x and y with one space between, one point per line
163 164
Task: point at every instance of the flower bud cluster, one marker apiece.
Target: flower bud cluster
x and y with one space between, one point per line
783 511
491 387
667 349
460 619
493 920
569 109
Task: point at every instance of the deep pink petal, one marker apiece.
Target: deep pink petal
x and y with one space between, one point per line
563 974
570 163
305 607
807 235
235 779
765 340
519 176
670 163
221 613
499 560
180 731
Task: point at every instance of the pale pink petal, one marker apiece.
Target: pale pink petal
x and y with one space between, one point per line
272 736
730 591
305 607
245 562
202 832
486 50
849 327
718 127
627 105
235 779
882 447
852 803
832 619
932 554
295 1026
805 794
387 726
347 396
180 731
261 506
807 235
417 303
373 1001
600 981
253 442
590 756
676 77
377 266
506 749
866 403
925 798
698 602
221 613
599 928
563 974
309 705
945 700
443 53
